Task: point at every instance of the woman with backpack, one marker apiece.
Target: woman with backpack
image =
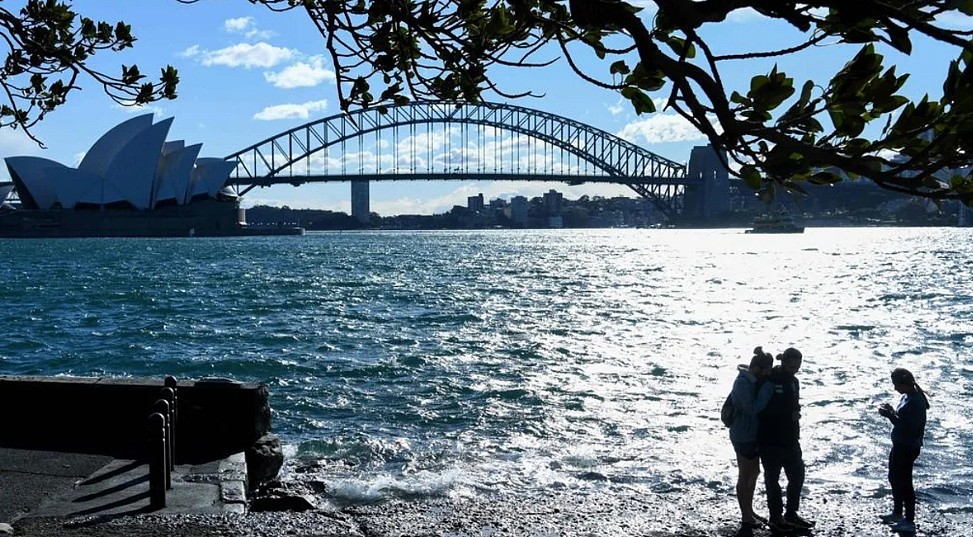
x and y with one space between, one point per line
748 397
908 427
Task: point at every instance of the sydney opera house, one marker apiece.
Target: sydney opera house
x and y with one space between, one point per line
130 183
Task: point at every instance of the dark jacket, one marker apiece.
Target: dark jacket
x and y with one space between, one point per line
909 420
748 401
779 423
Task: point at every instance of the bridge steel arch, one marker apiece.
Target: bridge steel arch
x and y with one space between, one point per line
651 176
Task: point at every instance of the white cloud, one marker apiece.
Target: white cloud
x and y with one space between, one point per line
744 15
291 111
191 52
141 109
247 27
617 108
407 205
301 74
659 128
244 55
238 25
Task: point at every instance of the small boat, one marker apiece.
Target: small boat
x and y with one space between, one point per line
776 222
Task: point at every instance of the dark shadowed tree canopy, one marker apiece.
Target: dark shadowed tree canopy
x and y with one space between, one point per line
48 50
778 134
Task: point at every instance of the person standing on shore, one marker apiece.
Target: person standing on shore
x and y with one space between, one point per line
779 443
749 396
908 427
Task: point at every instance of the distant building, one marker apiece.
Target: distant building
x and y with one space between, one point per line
553 203
517 211
965 216
498 204
131 166
608 218
359 201
130 183
475 203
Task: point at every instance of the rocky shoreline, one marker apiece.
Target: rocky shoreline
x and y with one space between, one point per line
685 514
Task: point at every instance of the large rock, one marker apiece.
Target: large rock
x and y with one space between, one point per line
264 460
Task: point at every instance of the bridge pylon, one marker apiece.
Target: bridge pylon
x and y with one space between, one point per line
707 193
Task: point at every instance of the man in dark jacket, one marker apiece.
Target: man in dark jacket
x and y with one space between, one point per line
779 443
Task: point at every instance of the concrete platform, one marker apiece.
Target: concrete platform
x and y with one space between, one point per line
55 484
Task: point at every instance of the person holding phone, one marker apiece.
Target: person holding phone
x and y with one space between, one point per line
908 427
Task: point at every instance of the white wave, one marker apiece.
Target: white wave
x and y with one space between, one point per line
384 486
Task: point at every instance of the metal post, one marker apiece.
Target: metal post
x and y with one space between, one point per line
170 397
157 460
171 382
161 406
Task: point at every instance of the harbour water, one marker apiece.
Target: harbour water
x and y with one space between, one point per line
463 364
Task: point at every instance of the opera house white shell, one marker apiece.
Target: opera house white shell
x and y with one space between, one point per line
131 166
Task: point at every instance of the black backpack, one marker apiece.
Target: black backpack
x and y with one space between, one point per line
728 411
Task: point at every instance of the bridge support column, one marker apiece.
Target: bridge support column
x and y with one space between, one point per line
709 194
359 201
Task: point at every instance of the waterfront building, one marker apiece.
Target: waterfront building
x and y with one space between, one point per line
517 211
131 182
475 203
130 166
553 202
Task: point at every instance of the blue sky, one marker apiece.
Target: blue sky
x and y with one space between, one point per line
248 73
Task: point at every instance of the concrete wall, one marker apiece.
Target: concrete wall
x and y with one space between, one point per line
108 415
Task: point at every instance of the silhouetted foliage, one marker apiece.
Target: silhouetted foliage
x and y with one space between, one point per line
778 134
49 46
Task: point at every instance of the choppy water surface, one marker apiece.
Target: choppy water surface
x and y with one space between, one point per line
466 363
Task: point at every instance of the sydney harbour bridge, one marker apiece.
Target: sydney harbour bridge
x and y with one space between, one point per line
449 141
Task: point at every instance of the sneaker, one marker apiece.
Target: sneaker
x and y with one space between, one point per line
745 530
904 526
795 520
891 518
778 526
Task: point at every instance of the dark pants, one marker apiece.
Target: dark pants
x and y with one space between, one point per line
791 460
902 460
